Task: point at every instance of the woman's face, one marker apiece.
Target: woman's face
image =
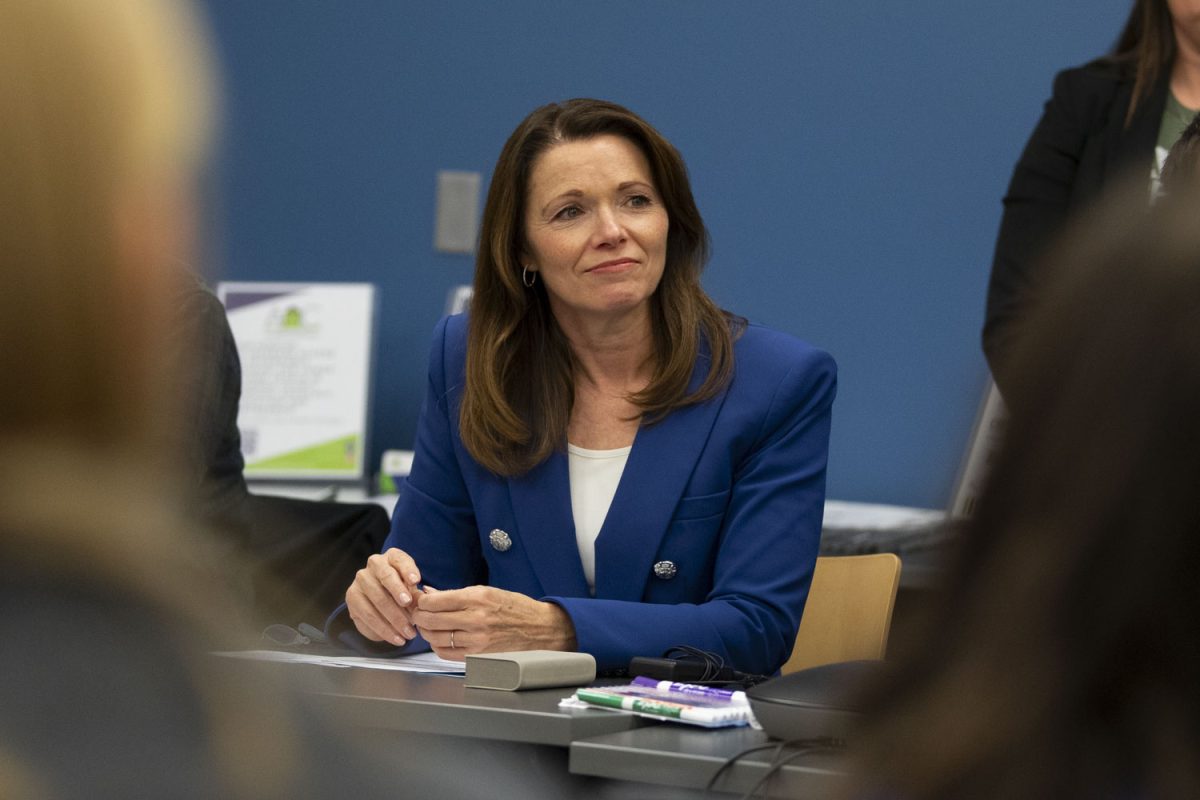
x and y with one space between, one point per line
595 229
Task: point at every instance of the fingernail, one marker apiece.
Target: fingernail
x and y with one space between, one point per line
405 599
413 577
397 640
409 632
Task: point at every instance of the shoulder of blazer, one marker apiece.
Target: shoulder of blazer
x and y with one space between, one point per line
770 350
766 361
1091 93
454 334
450 347
1095 98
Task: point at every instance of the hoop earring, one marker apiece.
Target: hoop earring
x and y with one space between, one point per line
528 278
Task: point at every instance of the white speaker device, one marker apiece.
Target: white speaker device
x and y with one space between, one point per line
529 669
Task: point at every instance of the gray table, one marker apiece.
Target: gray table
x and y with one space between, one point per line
499 744
441 704
687 758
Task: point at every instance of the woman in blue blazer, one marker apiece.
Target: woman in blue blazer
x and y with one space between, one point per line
605 461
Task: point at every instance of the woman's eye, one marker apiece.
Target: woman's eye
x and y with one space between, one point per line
570 212
639 201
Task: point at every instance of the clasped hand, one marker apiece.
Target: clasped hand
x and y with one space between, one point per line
388 604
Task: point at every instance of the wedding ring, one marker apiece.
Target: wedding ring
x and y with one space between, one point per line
452 640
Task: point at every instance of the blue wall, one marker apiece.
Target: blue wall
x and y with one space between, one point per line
849 159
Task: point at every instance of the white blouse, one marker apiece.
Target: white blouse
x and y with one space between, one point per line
594 475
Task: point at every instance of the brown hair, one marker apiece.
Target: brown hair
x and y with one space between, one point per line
520 370
1147 45
106 117
1061 658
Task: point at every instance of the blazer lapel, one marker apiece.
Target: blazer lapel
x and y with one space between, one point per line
1133 146
541 502
654 478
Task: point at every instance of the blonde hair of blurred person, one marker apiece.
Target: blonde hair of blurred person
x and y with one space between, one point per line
107 117
107 613
1061 659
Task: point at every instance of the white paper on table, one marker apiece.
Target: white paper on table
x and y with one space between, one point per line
420 662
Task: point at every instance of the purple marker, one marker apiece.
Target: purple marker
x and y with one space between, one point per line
692 689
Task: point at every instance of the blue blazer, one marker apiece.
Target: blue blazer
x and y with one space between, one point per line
731 492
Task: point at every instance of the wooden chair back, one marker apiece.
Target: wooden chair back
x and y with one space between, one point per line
849 611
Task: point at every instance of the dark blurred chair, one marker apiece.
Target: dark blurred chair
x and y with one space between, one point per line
306 553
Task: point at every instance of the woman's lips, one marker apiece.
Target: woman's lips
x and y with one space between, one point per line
616 265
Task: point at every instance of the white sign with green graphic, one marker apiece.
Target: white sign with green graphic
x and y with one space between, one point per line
305 350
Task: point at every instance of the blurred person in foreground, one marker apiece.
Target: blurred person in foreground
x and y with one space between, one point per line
106 612
1062 658
605 460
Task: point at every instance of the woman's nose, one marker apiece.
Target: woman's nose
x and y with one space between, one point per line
609 229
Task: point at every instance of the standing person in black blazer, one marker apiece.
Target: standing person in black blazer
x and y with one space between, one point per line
297 556
1115 115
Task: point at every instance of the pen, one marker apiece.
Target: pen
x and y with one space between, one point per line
692 689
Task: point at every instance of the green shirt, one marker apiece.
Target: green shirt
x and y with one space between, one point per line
1176 116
